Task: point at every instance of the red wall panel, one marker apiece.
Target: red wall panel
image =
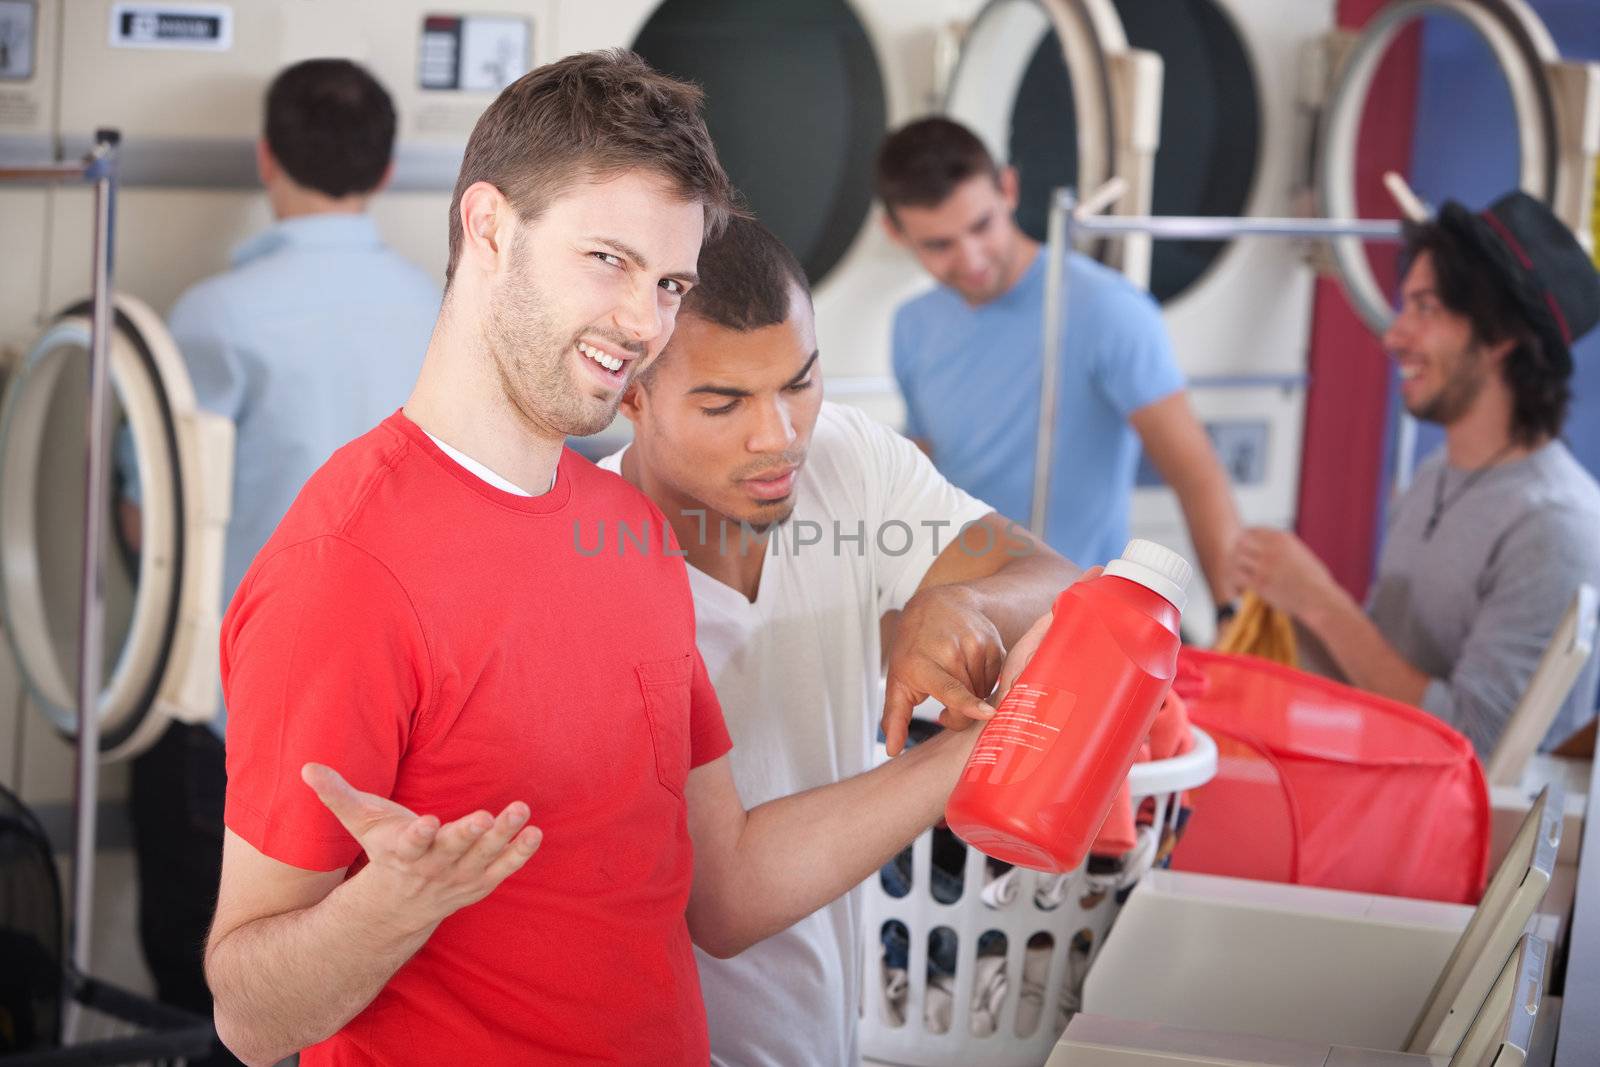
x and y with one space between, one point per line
1342 475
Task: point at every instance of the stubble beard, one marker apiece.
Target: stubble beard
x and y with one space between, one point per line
530 357
1456 397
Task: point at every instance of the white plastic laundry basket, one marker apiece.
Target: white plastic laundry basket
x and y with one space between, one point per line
1036 985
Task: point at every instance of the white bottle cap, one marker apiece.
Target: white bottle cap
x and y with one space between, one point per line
1156 568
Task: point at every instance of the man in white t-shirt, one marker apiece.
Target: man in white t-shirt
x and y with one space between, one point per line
814 536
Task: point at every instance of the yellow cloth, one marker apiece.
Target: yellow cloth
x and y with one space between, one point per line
1260 630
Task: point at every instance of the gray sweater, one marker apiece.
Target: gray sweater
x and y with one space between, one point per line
1475 605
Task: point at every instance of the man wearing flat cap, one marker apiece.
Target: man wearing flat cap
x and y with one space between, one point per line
1499 527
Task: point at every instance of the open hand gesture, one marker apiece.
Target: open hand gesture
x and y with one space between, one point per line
429 870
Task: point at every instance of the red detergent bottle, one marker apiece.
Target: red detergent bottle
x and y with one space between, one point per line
1047 767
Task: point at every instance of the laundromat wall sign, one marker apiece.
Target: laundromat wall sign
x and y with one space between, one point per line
192 27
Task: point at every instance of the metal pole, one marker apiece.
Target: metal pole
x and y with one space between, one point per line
1206 228
91 618
1058 243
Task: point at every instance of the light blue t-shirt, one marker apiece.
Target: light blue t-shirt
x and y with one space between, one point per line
970 377
314 336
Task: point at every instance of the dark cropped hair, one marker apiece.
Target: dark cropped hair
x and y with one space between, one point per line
1468 286
330 126
592 115
920 164
747 278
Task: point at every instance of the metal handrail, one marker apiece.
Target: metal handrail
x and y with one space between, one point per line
1068 219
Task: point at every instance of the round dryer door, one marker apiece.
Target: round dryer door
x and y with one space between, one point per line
795 103
161 558
1053 89
1551 102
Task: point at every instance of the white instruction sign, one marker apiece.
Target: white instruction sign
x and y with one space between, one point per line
17 20
473 53
192 27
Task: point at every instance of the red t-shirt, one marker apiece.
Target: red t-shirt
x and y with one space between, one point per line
452 646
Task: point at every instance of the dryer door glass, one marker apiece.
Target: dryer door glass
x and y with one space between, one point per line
1210 126
795 104
42 468
1043 145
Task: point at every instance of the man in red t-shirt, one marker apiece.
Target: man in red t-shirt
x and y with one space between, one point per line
461 619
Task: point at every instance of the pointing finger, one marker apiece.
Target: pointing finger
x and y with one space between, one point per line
897 704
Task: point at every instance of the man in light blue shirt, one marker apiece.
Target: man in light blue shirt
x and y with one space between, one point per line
315 334
966 357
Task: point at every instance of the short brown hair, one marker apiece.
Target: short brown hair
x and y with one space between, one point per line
591 115
922 162
330 126
748 279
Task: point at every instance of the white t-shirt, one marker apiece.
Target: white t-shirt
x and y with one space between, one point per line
797 673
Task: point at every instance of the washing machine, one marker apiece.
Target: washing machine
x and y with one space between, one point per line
1556 104
161 581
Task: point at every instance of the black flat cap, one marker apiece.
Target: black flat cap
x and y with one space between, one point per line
1546 271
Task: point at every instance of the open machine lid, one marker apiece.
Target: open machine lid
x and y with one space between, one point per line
1053 88
801 147
1555 104
161 597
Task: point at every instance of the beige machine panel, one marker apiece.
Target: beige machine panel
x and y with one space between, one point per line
217 94
166 240
195 112
22 221
27 119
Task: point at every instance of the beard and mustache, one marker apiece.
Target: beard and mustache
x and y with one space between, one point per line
530 352
1466 380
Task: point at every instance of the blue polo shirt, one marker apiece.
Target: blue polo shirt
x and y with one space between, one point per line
313 337
970 378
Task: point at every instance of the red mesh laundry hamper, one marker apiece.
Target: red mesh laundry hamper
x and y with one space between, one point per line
1321 784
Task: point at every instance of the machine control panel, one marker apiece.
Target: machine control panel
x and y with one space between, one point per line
1241 445
473 53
